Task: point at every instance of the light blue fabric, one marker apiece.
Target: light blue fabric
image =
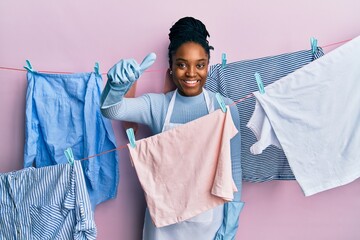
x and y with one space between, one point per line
62 110
150 110
229 227
46 203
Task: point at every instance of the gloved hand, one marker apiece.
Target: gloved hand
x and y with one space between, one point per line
128 70
121 77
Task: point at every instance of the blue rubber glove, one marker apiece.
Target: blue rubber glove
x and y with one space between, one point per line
124 73
121 77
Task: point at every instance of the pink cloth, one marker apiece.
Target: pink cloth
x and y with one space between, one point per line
186 170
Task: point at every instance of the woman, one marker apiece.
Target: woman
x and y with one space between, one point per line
189 55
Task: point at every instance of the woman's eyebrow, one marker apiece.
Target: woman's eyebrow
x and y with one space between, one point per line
182 59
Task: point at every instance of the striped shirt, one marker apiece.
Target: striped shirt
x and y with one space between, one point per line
46 203
236 81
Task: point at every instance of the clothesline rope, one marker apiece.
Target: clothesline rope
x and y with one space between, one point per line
102 153
153 70
59 72
332 44
124 146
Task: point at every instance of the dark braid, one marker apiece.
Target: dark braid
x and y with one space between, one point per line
188 29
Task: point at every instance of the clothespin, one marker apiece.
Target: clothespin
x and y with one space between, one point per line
97 68
29 67
69 155
131 136
221 102
259 83
223 60
313 43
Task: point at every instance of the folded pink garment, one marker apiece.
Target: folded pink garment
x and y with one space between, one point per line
186 170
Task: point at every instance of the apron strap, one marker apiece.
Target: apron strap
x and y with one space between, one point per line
208 101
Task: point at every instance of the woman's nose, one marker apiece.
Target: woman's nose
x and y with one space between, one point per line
191 72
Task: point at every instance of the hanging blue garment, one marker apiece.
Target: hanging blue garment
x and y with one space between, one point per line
235 81
229 227
62 110
45 204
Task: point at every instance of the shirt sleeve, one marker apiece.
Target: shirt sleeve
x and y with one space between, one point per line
85 228
232 209
148 109
230 223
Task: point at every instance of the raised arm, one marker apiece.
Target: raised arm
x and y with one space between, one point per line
120 79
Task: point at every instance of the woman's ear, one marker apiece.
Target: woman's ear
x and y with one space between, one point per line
169 83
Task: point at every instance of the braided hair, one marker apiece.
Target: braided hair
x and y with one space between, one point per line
188 29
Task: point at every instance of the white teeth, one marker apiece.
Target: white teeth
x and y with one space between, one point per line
191 82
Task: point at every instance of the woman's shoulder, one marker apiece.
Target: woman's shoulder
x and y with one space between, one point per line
159 98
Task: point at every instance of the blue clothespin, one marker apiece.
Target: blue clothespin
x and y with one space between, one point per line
313 43
29 67
131 136
69 155
97 68
223 60
221 102
259 83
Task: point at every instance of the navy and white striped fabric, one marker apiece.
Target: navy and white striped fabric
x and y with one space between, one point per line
236 81
46 203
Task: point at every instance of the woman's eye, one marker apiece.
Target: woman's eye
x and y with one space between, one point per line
181 65
200 66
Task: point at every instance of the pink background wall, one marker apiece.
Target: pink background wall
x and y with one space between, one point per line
70 36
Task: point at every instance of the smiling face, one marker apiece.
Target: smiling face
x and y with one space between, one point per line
190 68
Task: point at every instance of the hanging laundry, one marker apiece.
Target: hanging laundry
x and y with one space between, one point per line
236 80
203 176
314 114
62 110
46 204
